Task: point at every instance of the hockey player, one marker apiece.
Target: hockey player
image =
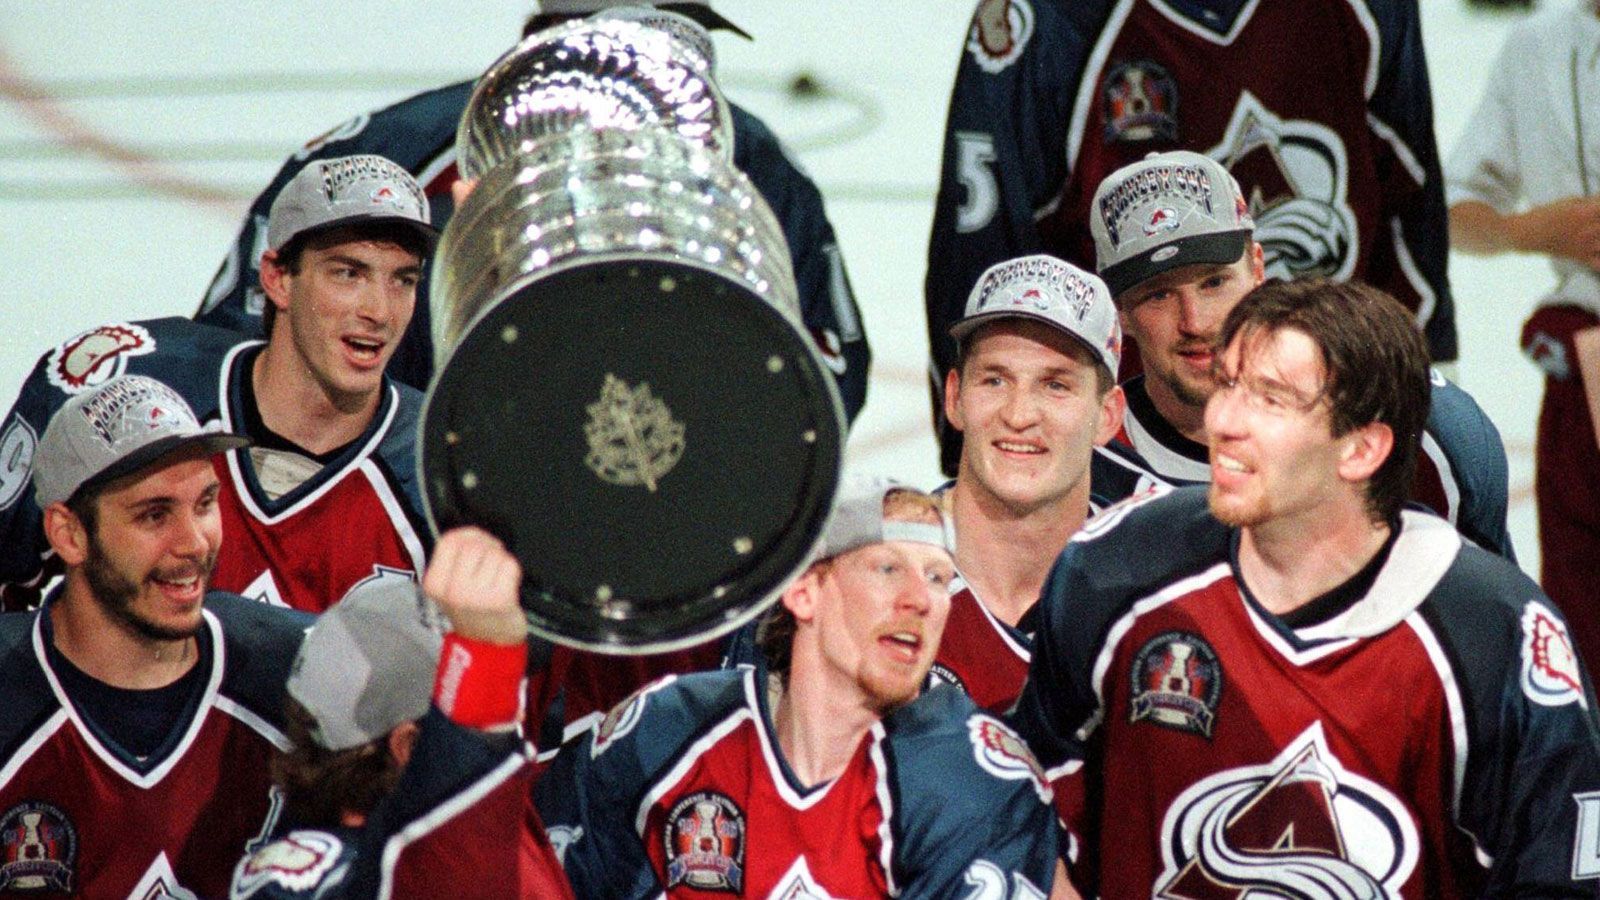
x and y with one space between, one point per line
1331 137
821 774
1286 684
140 707
1177 246
419 133
389 792
327 496
1522 179
1034 392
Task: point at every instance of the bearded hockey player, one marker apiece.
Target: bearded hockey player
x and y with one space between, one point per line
819 773
1178 248
1287 683
140 708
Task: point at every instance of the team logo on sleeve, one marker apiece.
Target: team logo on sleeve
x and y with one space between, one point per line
38 847
1177 682
96 356
1000 32
624 717
705 843
1299 826
17 444
298 862
1550 675
1004 755
1141 103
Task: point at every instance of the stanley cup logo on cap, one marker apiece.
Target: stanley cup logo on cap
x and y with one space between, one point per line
1035 282
339 177
1170 181
133 407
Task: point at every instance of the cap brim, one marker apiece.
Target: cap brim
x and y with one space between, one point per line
428 233
211 442
716 21
1217 248
967 326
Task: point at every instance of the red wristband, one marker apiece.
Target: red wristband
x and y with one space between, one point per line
479 684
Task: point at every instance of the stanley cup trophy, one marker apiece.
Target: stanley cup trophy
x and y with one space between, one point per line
624 392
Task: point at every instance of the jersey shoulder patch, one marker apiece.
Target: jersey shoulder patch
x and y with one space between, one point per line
295 864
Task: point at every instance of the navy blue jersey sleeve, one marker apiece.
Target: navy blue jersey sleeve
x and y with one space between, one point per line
1402 107
996 836
827 303
1529 795
1476 456
454 818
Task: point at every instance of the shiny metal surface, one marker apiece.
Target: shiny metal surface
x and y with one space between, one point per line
604 73
586 196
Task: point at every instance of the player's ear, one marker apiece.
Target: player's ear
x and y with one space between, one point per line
66 533
1364 451
1258 262
401 740
952 399
275 280
1113 406
800 597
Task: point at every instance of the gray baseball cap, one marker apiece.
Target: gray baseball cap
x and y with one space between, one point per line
1051 291
1167 210
349 190
118 428
702 12
368 664
858 520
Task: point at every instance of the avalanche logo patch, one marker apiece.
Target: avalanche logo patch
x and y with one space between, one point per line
1299 826
1141 103
1001 753
96 356
38 847
1162 218
1177 683
1550 675
1000 32
704 838
17 445
297 863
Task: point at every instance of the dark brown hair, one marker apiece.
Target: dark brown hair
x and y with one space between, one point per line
1374 360
319 785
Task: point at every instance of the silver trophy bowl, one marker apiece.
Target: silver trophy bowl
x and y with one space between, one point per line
604 73
624 391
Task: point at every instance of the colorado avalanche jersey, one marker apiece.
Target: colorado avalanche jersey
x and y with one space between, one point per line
80 816
457 824
1431 735
1321 110
683 792
1461 472
354 519
419 134
981 655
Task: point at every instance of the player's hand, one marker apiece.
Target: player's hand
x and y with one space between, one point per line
460 190
1569 228
476 582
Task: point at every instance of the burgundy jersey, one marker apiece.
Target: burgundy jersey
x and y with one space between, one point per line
81 817
684 792
981 654
1384 747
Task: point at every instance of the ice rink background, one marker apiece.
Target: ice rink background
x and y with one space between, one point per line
133 134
